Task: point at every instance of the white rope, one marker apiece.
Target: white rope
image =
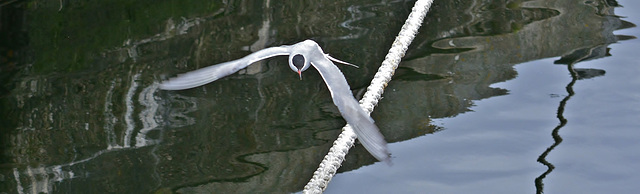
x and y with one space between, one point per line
346 139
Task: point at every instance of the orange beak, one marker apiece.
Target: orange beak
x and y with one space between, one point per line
300 74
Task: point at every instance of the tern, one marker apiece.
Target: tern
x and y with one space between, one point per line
302 55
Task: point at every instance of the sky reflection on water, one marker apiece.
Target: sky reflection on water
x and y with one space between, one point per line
494 148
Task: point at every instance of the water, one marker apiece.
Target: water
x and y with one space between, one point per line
478 105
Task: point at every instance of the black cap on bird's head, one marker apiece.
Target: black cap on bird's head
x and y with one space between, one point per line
298 63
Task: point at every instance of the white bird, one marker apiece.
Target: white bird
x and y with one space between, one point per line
301 56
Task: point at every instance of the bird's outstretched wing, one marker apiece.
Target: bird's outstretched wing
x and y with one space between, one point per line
362 124
367 132
206 75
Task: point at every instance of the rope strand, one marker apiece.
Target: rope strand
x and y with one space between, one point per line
333 160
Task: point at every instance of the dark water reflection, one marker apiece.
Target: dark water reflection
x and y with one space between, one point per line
570 60
82 112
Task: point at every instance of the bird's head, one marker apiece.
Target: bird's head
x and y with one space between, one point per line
298 63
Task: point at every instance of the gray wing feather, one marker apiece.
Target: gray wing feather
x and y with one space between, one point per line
367 132
212 73
362 124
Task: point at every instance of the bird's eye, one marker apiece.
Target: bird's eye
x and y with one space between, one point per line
298 61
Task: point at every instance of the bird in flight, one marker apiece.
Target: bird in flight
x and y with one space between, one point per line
302 55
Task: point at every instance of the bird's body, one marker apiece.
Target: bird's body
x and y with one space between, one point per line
301 56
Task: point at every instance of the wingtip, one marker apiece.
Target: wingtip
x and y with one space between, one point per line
384 156
388 161
167 85
164 86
